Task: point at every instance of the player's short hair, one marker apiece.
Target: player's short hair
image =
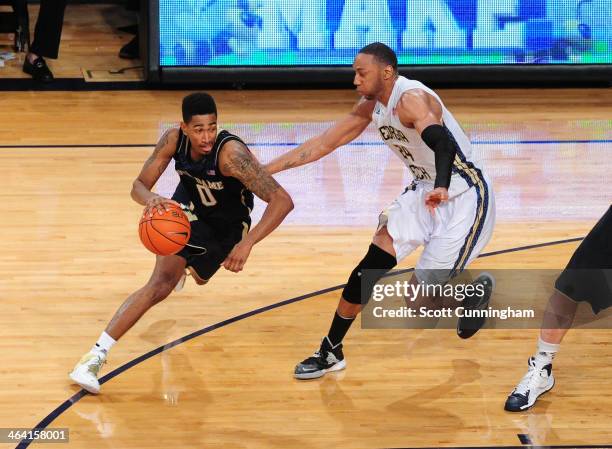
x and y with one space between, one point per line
198 103
381 53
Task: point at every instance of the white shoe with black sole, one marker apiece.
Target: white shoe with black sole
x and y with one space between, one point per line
534 384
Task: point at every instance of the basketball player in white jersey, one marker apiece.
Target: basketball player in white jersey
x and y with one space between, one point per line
448 208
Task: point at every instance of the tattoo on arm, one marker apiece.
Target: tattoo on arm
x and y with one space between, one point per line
243 166
160 145
300 158
162 167
163 141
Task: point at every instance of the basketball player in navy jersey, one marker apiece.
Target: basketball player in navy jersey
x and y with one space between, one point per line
218 177
448 208
587 278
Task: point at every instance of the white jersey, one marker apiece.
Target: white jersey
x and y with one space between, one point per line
407 144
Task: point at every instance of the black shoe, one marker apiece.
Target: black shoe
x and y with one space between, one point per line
325 360
38 70
131 50
468 326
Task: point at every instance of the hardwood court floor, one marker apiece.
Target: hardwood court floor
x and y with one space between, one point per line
70 254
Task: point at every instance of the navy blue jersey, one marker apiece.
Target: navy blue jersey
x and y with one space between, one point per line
219 200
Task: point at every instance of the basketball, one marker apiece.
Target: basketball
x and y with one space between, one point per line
165 234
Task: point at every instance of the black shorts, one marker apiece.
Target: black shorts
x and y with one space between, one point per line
210 244
588 275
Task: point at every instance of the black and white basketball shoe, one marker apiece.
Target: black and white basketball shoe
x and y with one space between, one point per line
327 359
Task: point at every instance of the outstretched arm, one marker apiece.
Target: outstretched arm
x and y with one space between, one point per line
152 169
237 161
339 134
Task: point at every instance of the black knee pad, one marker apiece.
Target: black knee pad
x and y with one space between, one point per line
375 259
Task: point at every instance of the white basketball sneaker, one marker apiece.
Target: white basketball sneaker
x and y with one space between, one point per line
85 372
533 384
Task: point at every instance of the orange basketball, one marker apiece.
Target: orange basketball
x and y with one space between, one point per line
167 233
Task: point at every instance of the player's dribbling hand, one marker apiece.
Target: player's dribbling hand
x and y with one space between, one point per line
159 204
237 258
434 198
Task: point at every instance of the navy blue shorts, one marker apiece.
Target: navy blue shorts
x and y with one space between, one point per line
588 275
208 246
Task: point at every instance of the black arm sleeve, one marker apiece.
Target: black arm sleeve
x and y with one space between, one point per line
441 141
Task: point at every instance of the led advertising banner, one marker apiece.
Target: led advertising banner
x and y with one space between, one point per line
272 33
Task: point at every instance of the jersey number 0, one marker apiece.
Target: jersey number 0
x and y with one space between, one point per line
206 196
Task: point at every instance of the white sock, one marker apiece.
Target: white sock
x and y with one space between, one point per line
546 353
104 344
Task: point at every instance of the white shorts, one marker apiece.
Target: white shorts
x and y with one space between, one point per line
452 238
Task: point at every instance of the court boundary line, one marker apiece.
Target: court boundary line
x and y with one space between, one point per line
54 414
291 144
